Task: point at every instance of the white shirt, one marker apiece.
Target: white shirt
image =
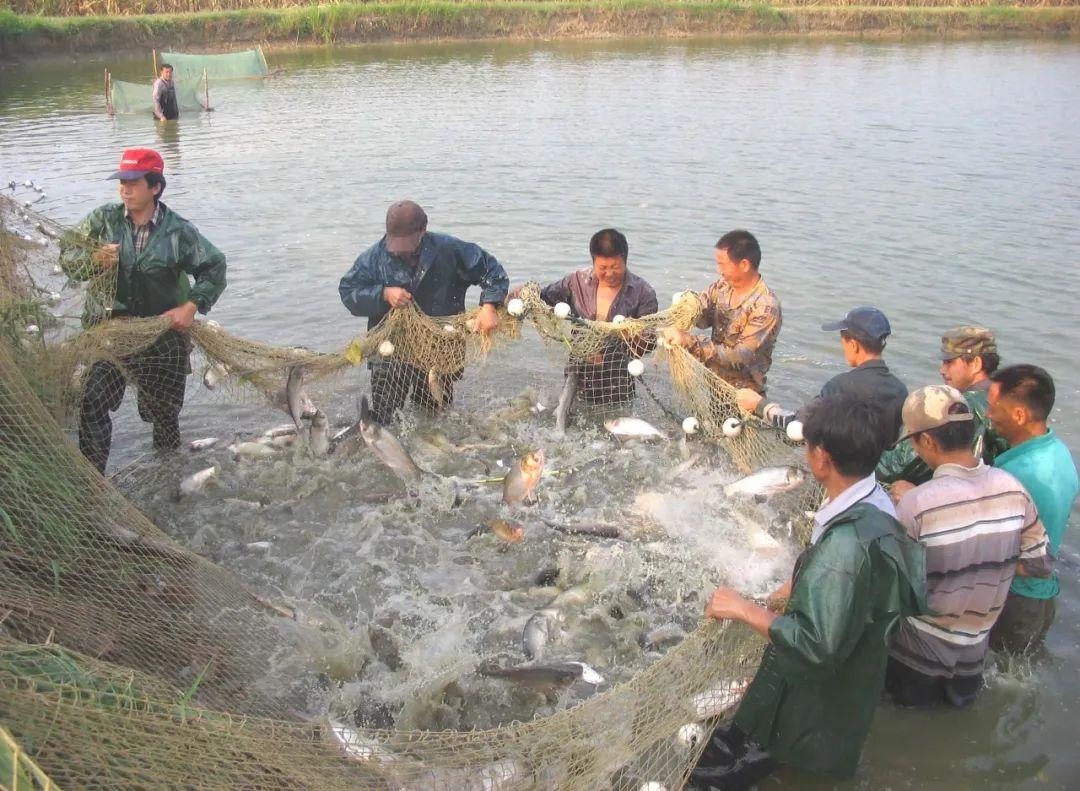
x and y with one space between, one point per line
867 490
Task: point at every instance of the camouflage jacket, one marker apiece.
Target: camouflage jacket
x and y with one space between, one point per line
744 333
901 463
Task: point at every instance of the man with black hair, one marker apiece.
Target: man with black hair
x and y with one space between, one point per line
150 250
166 108
980 528
606 291
813 697
862 335
1021 397
969 355
743 314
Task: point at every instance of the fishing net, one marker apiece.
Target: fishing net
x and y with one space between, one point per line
127 660
223 66
133 97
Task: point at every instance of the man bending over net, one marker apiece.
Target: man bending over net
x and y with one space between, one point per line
147 251
433 270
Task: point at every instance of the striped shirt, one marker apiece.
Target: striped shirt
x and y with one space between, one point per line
140 234
977 524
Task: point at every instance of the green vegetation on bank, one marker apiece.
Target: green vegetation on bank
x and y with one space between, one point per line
418 19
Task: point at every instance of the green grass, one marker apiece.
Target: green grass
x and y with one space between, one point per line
478 19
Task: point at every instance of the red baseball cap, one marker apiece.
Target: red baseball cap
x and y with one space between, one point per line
137 162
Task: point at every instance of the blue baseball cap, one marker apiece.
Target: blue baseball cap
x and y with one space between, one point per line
866 321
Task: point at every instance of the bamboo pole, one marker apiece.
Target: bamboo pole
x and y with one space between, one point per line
206 89
265 64
154 51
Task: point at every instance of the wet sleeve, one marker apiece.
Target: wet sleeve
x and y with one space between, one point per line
900 463
1035 558
77 245
762 325
206 264
361 289
557 292
159 90
479 268
647 305
776 416
829 605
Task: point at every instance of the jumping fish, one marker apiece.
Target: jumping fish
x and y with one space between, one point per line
519 485
545 676
436 387
566 402
357 747
633 427
387 447
717 699
510 532
194 483
540 629
252 450
294 388
766 482
214 375
318 436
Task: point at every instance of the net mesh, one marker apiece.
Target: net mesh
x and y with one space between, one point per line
133 97
222 66
127 660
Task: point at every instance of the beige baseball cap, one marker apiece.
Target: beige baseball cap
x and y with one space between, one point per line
932 407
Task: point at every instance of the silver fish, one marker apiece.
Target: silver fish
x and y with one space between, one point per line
543 627
633 427
519 485
545 676
387 447
284 430
194 483
202 444
436 388
662 637
358 747
767 481
214 375
717 699
294 388
252 450
566 402
318 436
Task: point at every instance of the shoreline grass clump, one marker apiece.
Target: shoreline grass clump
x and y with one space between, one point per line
215 26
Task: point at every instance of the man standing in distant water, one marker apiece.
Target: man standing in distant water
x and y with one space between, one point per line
743 313
166 107
433 270
1021 397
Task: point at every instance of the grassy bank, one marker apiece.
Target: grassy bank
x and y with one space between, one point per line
22 35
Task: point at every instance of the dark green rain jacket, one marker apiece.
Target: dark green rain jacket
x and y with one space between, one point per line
813 697
155 280
901 463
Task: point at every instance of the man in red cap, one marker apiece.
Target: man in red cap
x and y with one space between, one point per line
138 259
411 265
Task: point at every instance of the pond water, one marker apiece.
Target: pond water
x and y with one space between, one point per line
939 181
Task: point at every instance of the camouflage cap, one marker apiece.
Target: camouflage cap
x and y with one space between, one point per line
967 341
932 407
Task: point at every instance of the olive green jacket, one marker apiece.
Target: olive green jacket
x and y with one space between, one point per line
901 463
813 697
155 280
